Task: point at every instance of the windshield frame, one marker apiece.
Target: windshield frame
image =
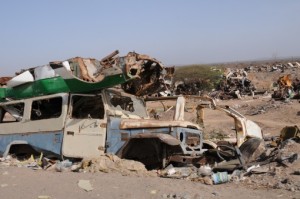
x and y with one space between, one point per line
138 105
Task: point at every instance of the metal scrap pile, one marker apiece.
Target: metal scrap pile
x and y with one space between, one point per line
148 75
189 87
270 163
234 85
287 88
4 80
142 74
277 66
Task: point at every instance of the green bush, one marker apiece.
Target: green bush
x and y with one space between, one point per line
206 75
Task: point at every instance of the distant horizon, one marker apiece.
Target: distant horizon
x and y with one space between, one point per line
189 64
246 61
193 64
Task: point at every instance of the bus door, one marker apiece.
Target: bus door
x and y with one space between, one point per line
85 128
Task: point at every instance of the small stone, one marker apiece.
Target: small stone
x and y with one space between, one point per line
235 178
4 185
5 173
165 195
85 184
44 197
208 180
214 193
153 192
277 171
269 184
278 185
76 167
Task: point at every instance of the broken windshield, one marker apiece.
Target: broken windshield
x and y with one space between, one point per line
127 104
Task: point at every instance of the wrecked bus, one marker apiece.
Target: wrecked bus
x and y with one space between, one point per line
65 109
68 109
75 125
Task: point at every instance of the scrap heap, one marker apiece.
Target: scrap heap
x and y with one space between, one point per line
4 80
189 87
272 67
136 73
233 85
287 88
145 75
149 75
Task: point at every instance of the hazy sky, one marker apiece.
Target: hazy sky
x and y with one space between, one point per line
176 32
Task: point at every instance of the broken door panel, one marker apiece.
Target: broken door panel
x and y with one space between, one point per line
85 130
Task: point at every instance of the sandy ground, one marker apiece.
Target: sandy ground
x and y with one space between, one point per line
23 182
274 115
271 115
20 183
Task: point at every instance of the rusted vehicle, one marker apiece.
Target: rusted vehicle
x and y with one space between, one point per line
244 147
69 109
79 125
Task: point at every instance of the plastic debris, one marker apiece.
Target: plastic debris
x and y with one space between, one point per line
205 171
220 177
63 166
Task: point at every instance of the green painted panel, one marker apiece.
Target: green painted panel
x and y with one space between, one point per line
59 85
2 92
49 86
77 85
19 92
38 88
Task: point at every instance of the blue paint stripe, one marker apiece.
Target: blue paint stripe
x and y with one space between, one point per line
41 141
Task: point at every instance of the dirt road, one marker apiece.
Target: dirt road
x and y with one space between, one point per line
17 183
26 183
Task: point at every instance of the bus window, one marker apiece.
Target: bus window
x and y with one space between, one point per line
87 107
46 108
11 113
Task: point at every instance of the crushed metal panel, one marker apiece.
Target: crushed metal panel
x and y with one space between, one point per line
20 79
253 130
148 123
244 128
139 74
43 72
4 80
289 132
165 138
179 112
285 81
149 76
